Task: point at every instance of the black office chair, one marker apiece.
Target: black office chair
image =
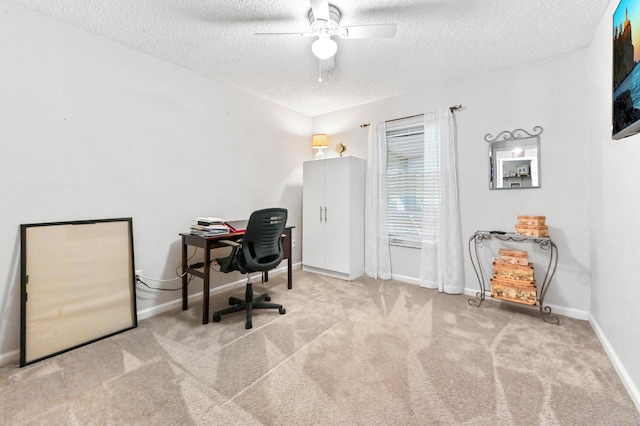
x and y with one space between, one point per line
259 250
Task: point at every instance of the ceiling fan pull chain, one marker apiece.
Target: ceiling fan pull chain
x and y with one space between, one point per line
320 70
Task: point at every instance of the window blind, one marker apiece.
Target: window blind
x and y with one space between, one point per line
413 174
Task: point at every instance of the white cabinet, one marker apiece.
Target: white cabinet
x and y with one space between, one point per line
333 217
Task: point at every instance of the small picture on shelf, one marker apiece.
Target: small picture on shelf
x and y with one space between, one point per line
522 171
515 185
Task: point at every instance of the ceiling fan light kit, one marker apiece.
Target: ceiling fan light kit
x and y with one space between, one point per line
324 20
324 47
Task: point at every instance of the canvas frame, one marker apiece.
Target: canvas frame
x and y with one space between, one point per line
77 285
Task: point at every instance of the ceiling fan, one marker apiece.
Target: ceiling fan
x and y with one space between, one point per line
325 23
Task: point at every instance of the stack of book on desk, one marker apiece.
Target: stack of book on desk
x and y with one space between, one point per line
209 226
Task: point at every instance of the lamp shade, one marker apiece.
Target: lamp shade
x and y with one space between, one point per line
320 140
324 48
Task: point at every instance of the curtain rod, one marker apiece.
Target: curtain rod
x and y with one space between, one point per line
452 109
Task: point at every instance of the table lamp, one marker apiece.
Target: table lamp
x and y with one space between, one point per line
320 142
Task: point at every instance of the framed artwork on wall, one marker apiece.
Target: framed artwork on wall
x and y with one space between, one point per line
522 171
626 75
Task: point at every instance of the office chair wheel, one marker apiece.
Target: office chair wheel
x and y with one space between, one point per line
267 298
216 318
248 325
282 311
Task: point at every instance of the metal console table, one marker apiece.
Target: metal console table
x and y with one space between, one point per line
478 239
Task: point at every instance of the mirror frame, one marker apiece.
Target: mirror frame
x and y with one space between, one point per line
507 141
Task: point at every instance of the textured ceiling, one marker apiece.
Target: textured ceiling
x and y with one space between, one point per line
436 41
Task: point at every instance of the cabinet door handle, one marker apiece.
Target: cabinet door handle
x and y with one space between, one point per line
320 213
325 214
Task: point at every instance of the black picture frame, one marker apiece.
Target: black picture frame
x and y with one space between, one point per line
77 285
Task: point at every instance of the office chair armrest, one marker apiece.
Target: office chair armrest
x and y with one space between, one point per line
229 263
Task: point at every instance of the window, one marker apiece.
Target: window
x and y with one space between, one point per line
413 196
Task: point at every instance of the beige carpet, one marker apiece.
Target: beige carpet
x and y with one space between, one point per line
359 353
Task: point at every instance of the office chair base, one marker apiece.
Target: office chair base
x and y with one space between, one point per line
249 304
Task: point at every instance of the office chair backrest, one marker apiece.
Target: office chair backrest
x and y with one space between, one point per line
262 241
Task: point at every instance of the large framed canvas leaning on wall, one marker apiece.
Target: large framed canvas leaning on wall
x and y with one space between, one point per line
626 73
77 285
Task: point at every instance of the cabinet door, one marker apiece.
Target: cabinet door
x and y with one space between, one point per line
337 216
313 237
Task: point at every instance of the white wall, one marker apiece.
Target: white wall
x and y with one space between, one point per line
549 93
615 209
589 181
92 129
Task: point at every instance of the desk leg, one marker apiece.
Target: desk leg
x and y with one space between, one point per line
185 280
287 255
205 284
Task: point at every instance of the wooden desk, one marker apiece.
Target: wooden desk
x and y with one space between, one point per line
208 243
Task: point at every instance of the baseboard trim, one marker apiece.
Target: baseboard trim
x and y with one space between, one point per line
11 357
176 303
569 312
7 359
559 310
158 309
631 387
405 279
330 273
555 309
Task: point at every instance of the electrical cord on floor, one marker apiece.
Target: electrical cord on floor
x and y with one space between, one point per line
196 265
158 280
157 288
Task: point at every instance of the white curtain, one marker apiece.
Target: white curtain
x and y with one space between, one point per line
441 264
377 262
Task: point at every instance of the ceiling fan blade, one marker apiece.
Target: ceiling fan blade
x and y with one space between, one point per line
285 34
369 31
320 9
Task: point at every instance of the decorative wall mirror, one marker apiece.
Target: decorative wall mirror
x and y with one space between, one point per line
514 159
